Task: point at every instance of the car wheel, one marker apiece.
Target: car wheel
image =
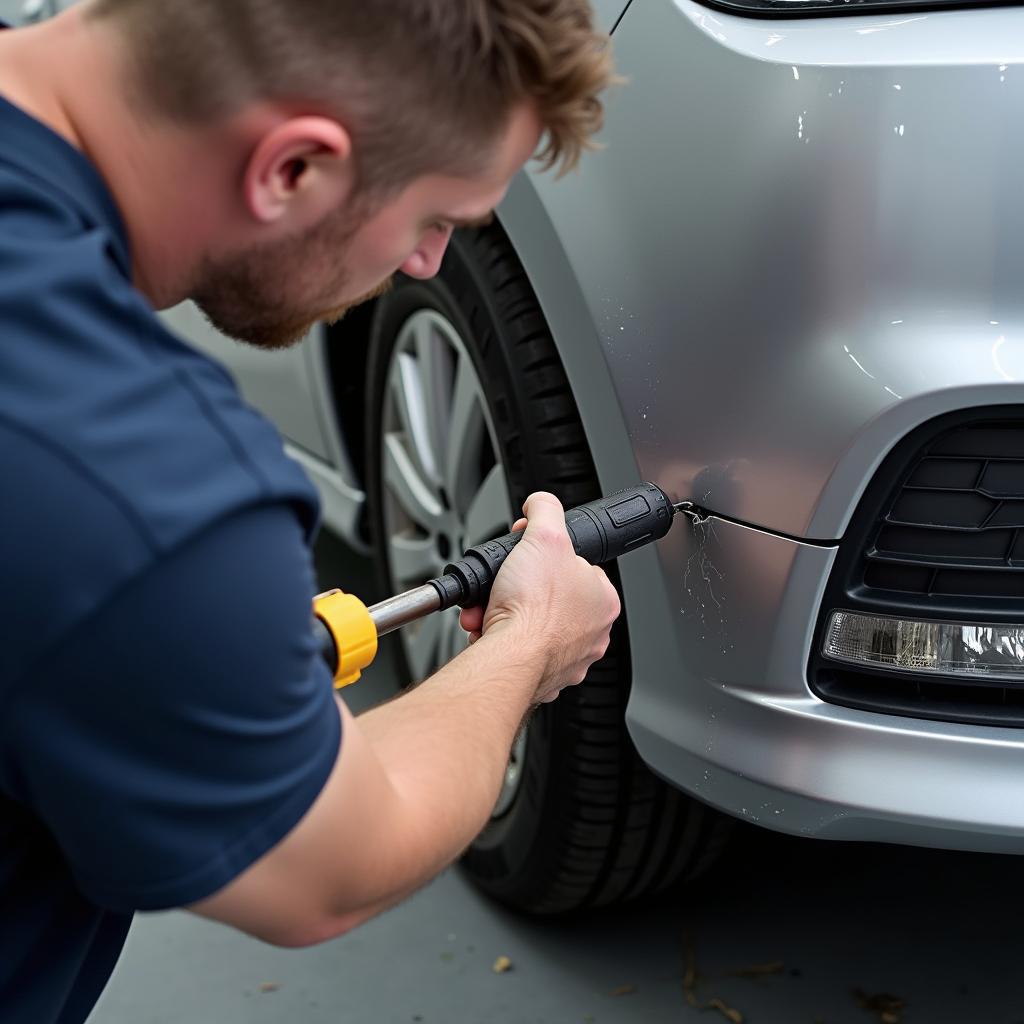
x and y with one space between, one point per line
469 410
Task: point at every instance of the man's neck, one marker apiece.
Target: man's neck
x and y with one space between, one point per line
21 84
66 73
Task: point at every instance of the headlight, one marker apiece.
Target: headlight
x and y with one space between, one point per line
806 8
956 649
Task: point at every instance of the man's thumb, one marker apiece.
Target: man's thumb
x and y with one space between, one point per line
543 509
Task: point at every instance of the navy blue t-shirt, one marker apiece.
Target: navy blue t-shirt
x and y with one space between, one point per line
164 717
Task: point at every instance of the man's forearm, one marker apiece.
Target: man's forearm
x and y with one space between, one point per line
445 744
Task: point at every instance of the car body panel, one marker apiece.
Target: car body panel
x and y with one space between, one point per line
753 316
720 705
12 12
608 12
293 388
270 380
799 250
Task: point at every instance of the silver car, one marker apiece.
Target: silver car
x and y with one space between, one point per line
790 289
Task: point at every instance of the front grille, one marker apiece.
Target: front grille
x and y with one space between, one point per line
938 535
956 526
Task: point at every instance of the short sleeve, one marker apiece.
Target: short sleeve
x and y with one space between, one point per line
187 727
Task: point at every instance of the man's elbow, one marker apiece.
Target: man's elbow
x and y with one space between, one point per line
303 934
293 927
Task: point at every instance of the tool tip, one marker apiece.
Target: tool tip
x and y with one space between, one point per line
691 509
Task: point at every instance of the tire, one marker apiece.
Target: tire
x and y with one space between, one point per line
586 824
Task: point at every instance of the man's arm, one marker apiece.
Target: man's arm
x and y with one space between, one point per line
417 778
414 781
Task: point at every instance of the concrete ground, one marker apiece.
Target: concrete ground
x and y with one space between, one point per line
785 931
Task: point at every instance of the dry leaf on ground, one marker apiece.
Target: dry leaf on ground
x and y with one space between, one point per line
691 975
729 1012
888 1007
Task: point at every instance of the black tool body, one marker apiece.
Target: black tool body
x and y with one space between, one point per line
601 531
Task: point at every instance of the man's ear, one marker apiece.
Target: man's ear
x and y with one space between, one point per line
300 168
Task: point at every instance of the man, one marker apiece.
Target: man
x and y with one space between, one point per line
168 735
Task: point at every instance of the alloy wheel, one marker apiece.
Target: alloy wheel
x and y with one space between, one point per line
444 485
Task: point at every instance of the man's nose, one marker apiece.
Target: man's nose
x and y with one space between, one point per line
425 262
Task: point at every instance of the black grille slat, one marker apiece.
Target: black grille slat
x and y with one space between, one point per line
939 535
966 509
1017 550
991 441
939 562
1003 479
1009 514
897 539
979 583
958 474
958 511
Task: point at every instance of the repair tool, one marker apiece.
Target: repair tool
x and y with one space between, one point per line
601 531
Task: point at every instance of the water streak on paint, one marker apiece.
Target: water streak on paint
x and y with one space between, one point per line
701 576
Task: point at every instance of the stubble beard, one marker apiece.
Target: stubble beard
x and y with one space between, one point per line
251 296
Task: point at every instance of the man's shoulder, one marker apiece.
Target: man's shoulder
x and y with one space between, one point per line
120 441
87 368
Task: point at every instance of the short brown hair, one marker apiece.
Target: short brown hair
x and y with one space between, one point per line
426 85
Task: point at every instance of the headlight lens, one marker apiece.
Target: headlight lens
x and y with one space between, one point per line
804 8
955 649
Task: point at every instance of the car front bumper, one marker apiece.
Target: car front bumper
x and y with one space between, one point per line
721 620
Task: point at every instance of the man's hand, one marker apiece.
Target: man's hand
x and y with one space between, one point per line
417 776
551 597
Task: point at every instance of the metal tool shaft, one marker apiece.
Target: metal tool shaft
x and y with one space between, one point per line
399 611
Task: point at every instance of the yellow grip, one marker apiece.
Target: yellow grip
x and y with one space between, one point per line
355 635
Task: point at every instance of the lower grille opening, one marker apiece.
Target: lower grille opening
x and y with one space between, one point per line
915 697
939 535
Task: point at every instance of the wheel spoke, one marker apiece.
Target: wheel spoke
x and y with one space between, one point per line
466 430
413 559
405 483
411 400
439 470
422 648
488 514
434 358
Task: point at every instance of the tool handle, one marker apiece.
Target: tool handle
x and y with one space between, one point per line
601 531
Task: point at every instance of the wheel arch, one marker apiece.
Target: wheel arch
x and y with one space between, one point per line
524 218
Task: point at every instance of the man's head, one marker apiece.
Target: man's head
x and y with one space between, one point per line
361 132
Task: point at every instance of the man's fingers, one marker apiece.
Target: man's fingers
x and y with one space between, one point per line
544 510
471 619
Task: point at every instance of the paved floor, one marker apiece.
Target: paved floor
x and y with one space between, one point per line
938 931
